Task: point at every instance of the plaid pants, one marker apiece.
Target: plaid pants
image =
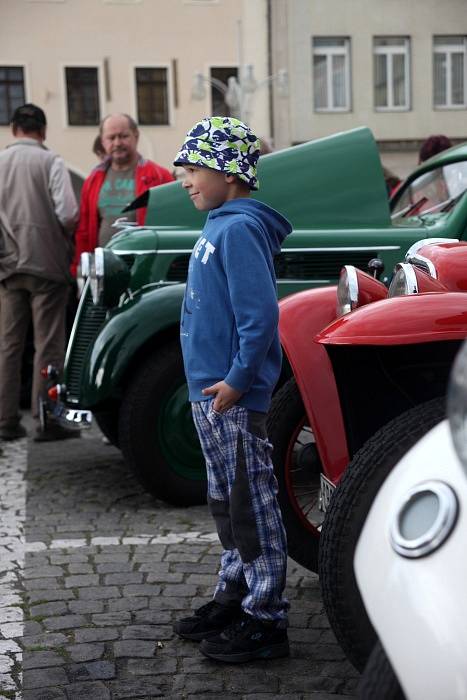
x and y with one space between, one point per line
242 493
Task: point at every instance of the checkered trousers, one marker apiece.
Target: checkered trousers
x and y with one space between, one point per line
242 492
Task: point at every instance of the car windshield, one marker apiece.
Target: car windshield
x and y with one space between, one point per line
432 190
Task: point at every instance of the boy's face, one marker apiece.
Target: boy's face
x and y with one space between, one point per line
207 188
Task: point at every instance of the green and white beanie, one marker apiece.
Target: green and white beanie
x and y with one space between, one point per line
225 144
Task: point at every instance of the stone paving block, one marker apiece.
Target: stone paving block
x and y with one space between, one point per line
99 592
46 595
43 572
93 670
44 694
95 690
147 632
47 639
95 634
138 688
34 584
152 617
114 567
111 618
53 608
44 677
123 579
85 652
127 604
157 567
64 622
42 659
86 606
177 590
167 603
152 667
202 579
134 647
249 681
208 683
32 627
141 589
77 581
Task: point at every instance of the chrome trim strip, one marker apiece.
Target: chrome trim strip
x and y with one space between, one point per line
136 252
353 284
440 529
76 320
284 280
341 249
410 279
424 263
415 247
99 262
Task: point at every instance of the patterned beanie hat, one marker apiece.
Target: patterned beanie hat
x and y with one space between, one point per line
225 144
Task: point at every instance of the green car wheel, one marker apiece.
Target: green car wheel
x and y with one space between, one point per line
156 431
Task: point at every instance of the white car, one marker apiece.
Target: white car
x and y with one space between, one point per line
411 565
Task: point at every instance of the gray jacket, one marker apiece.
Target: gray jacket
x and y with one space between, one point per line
38 212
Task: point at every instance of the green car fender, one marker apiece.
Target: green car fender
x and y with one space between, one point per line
129 328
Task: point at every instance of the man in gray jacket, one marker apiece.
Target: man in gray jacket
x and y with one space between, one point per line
38 215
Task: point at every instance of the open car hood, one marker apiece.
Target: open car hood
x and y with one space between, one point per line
336 182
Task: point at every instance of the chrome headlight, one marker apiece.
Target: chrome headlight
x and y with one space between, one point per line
109 277
347 291
404 281
457 405
82 273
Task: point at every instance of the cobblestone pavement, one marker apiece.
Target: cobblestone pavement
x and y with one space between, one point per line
93 572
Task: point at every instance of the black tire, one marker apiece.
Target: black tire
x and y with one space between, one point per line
156 431
378 679
107 420
286 417
346 515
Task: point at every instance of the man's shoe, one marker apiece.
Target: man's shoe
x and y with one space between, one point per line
246 640
54 431
13 432
209 619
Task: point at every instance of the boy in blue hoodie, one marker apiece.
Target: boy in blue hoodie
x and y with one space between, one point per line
232 359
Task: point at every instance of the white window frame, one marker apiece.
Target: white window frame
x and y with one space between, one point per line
330 51
449 49
100 85
390 52
134 91
20 64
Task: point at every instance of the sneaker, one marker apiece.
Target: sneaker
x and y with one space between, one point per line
54 431
247 639
209 619
13 432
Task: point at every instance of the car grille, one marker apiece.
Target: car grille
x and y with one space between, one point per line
296 266
88 324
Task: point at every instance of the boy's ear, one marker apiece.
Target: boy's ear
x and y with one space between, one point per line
230 178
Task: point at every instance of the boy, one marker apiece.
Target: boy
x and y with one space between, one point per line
232 361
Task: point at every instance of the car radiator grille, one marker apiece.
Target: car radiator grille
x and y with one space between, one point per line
298 266
89 322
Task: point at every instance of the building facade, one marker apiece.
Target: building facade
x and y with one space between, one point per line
397 66
82 59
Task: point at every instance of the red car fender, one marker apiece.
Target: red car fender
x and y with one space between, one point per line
418 318
302 315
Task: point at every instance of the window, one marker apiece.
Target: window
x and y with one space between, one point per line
11 91
449 71
152 98
82 93
331 74
391 73
219 105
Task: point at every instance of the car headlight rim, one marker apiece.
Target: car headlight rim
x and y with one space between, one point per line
347 291
404 282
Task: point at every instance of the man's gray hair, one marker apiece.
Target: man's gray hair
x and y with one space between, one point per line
131 122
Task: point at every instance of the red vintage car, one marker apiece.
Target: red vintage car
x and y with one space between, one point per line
360 360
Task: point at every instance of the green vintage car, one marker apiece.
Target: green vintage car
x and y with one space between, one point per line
123 362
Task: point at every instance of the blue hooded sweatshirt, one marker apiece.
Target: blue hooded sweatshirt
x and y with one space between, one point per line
230 314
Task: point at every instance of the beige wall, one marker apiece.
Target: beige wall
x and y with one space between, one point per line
361 20
44 36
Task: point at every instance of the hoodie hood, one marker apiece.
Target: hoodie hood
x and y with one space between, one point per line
275 225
